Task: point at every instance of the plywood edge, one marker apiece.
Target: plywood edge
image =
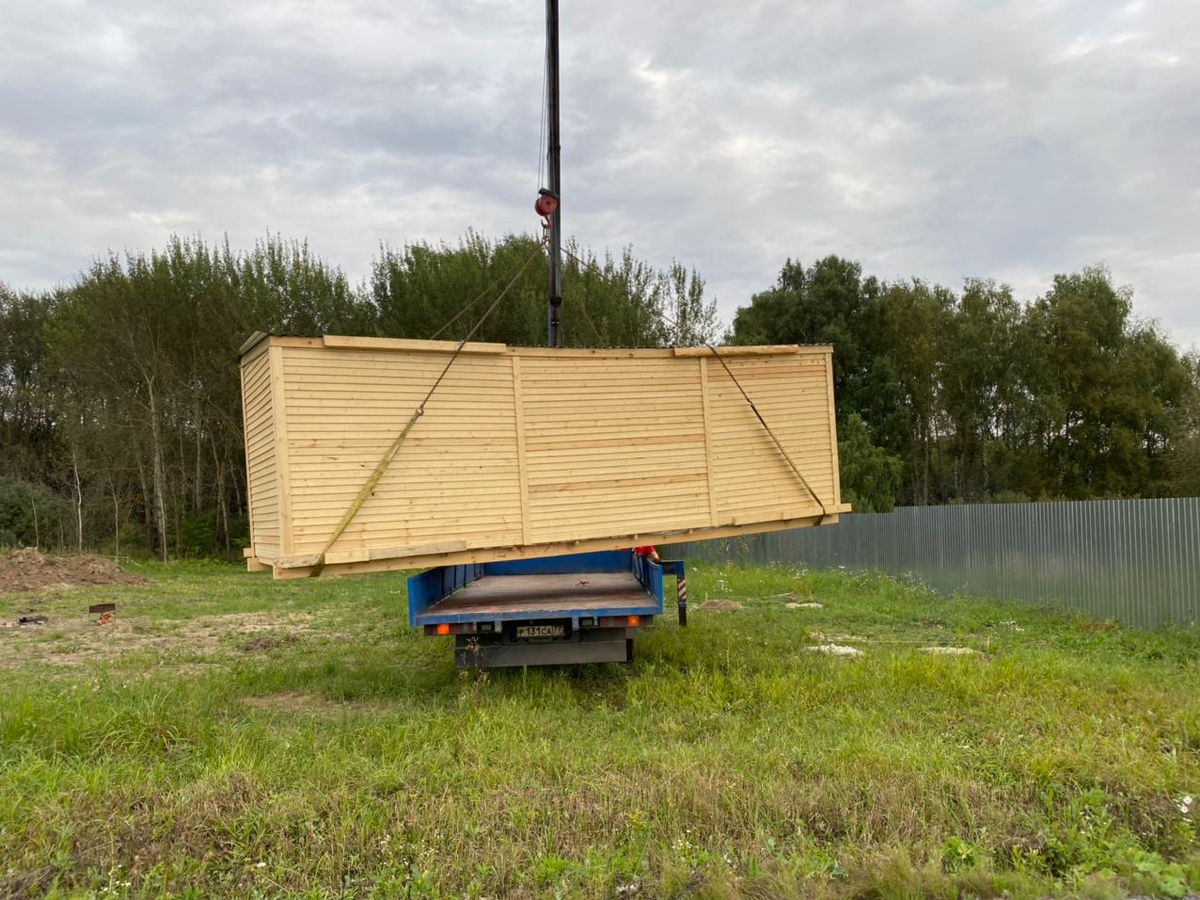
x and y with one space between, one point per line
257 341
667 352
282 480
833 443
250 514
758 350
257 563
260 340
367 554
410 345
301 566
592 352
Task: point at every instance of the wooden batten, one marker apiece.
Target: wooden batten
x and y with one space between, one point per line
714 516
388 564
760 350
412 346
523 482
282 456
258 412
837 475
526 451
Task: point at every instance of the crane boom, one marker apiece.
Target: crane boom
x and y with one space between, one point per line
553 165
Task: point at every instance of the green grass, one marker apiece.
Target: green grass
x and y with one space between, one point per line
234 736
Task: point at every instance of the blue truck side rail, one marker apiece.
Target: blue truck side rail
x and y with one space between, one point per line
431 587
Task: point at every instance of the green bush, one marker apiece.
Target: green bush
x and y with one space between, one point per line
29 513
870 474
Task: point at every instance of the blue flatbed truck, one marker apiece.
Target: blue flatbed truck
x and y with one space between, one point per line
578 608
556 610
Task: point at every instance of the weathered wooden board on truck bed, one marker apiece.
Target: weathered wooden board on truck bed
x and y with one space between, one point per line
526 451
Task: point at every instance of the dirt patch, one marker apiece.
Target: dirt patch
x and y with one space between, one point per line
836 650
949 651
76 639
291 702
719 606
250 632
27 884
261 642
28 570
822 638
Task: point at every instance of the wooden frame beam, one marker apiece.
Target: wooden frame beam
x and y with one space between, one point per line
294 570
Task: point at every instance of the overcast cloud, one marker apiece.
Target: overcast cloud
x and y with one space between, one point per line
942 138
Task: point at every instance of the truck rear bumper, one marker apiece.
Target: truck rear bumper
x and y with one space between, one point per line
494 651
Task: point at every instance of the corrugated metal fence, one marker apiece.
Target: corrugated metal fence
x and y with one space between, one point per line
1133 560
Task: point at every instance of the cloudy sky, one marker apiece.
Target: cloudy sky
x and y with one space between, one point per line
940 138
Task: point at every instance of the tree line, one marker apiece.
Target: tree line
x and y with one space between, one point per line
975 396
120 419
120 404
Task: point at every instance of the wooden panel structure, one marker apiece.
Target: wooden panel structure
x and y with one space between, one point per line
525 451
262 476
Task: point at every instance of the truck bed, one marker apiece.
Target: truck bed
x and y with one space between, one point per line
543 596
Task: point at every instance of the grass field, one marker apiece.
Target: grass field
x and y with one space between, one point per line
231 736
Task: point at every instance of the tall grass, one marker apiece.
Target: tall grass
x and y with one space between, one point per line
729 760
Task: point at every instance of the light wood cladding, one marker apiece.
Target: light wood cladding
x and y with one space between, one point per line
526 451
258 412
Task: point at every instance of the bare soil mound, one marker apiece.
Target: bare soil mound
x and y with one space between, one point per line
720 605
28 570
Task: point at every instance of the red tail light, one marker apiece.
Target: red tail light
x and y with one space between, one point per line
451 628
619 621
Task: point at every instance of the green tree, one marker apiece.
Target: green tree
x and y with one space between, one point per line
979 383
826 303
1183 454
610 302
26 419
144 353
981 396
120 394
909 322
870 475
1111 390
31 515
419 288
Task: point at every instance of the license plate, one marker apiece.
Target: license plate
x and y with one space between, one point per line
540 631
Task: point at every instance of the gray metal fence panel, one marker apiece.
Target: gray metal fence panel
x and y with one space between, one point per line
1133 560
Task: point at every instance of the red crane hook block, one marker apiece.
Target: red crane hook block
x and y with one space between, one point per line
546 203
